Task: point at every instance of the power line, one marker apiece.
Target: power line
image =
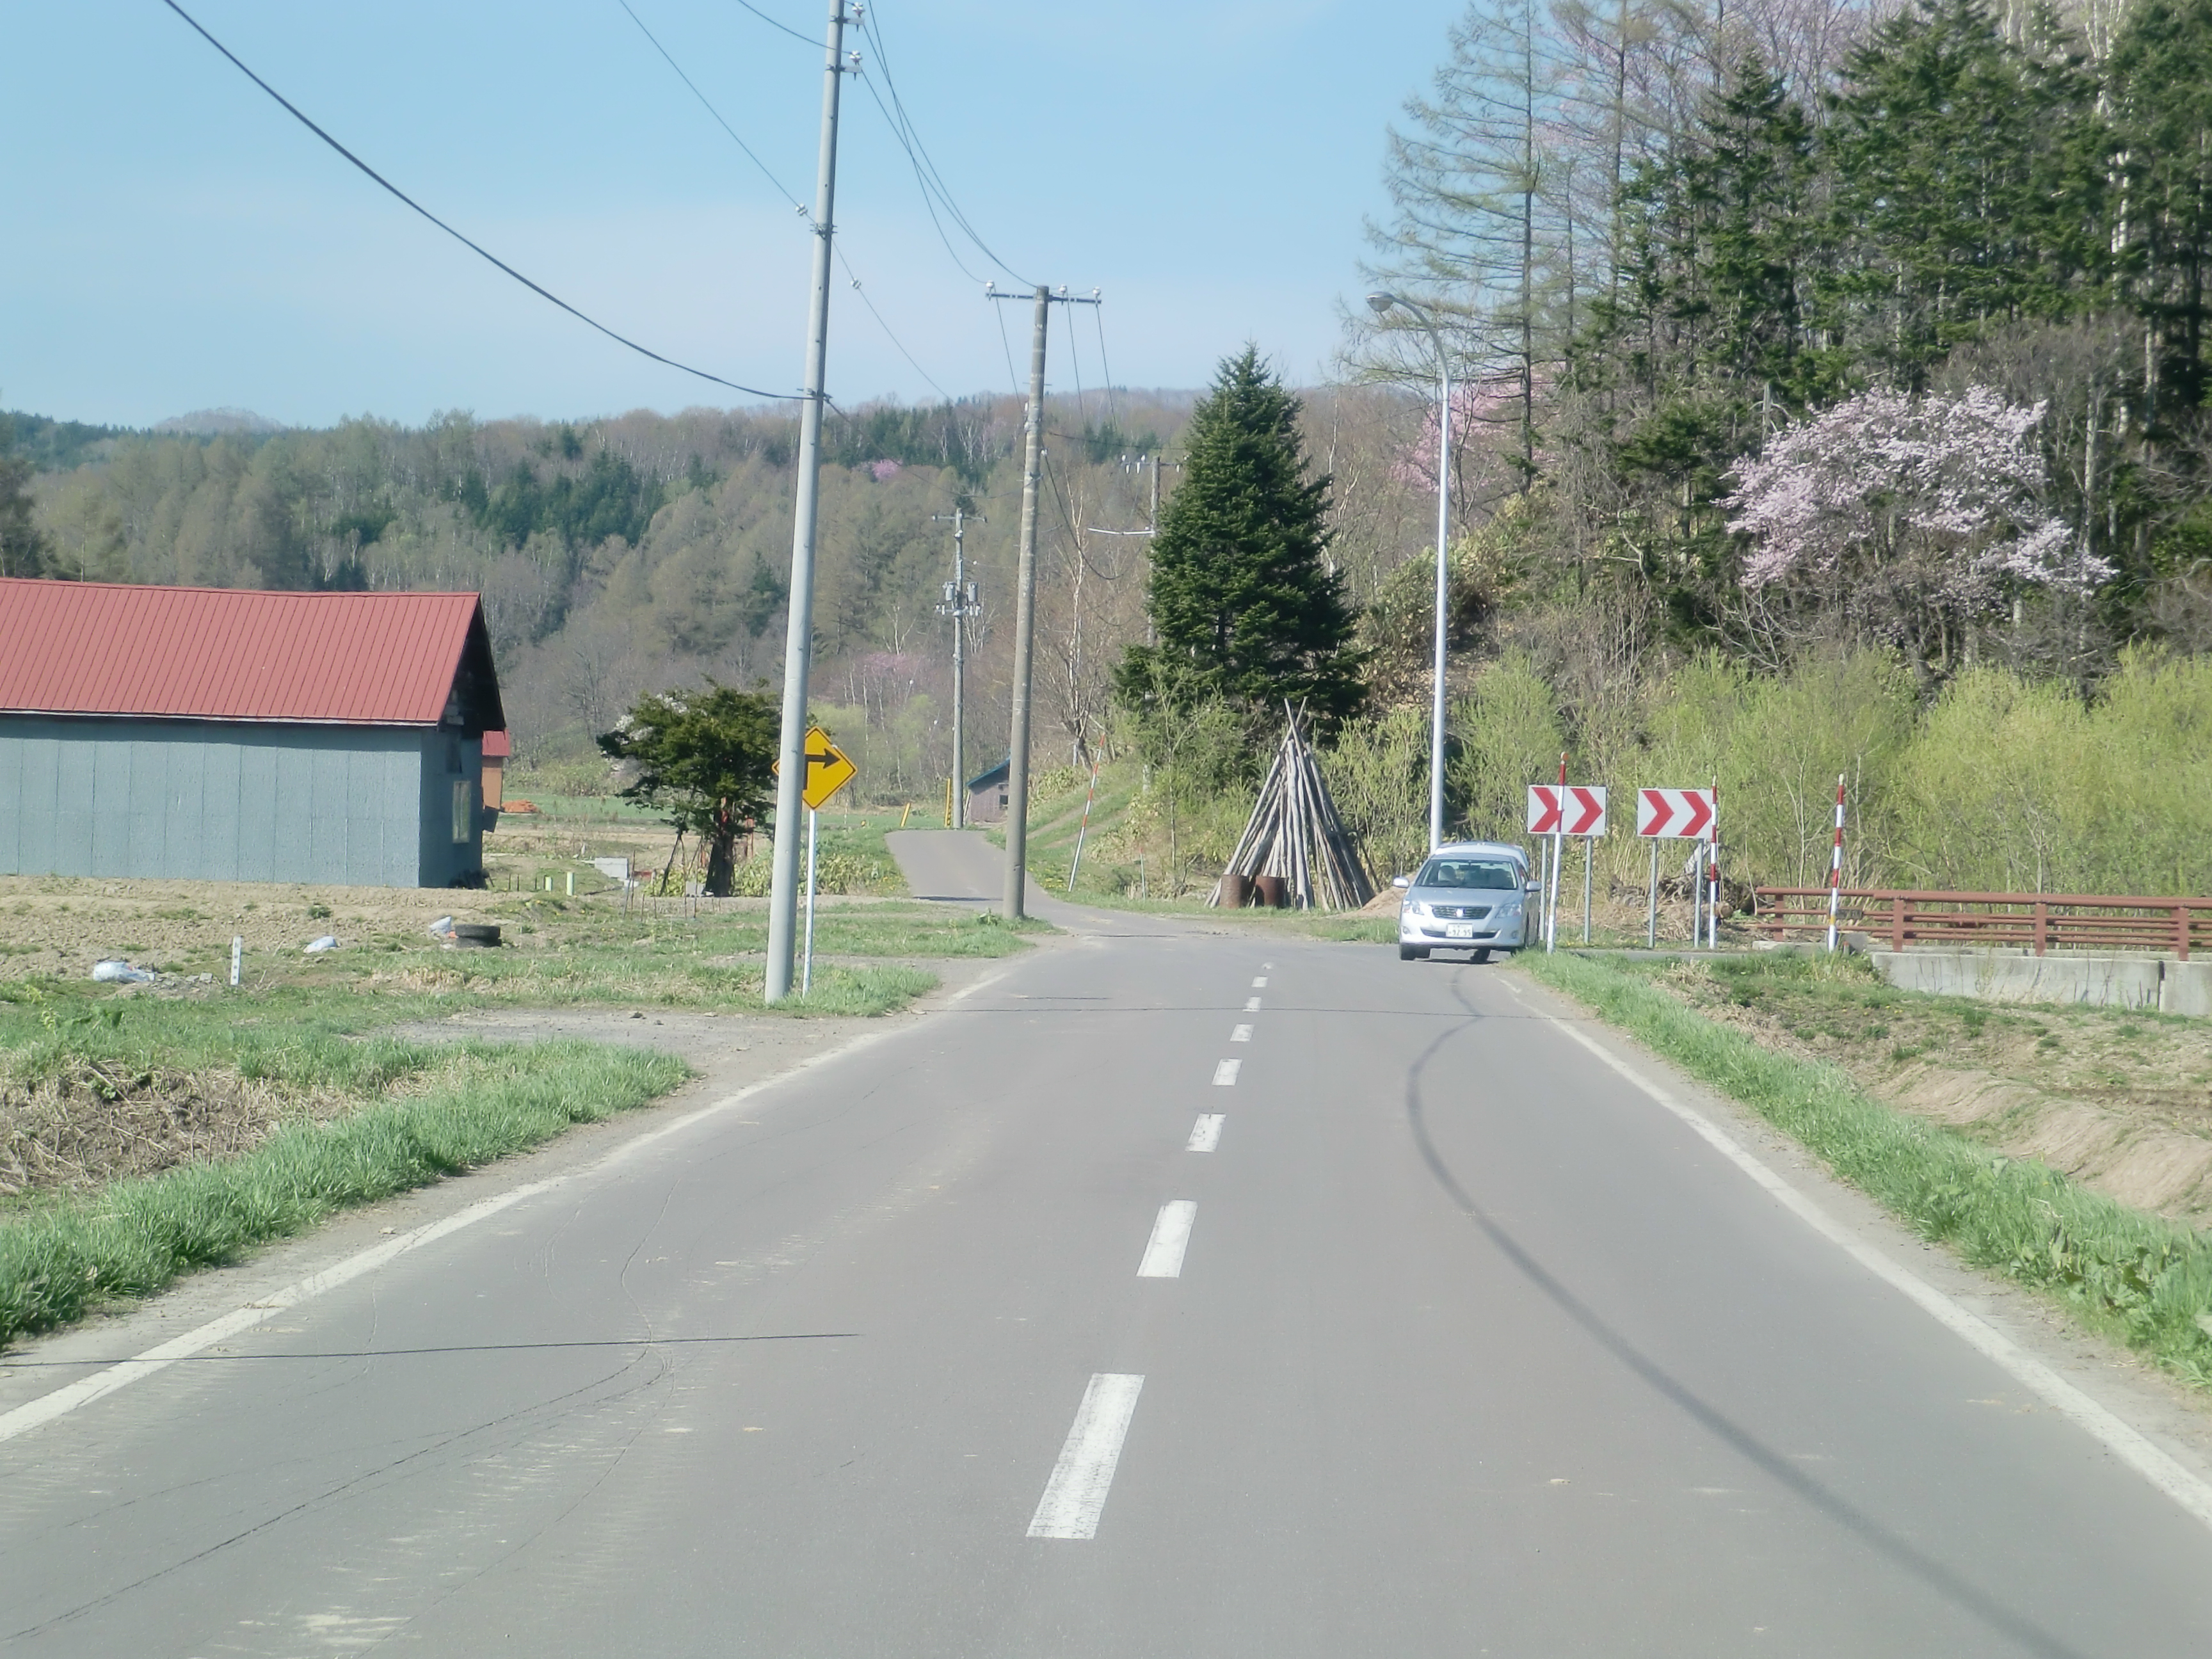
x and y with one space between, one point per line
886 328
1098 316
928 201
710 109
296 113
706 104
773 24
910 138
1075 363
1007 346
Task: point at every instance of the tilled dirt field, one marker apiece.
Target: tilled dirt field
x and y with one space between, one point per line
61 925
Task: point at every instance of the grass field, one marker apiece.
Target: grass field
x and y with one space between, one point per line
147 1130
2140 1279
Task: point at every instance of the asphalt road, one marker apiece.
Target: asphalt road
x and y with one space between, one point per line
1454 1343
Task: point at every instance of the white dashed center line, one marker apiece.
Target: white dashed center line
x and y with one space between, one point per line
1170 1237
1224 1072
1206 1134
1075 1496
1251 1005
1242 1034
1261 983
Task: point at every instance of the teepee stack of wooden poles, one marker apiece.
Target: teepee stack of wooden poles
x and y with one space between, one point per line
1295 833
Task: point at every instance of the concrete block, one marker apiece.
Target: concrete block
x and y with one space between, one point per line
2109 981
2187 989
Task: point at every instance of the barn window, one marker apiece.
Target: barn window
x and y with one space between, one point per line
452 753
464 811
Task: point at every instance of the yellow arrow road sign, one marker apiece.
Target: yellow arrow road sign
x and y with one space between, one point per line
827 770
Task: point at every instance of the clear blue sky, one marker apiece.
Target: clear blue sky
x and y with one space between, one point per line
175 242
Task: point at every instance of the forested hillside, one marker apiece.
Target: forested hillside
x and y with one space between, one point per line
643 552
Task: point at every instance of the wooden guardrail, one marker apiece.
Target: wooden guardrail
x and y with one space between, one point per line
2041 922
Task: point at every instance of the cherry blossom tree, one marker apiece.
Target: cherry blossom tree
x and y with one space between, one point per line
1910 519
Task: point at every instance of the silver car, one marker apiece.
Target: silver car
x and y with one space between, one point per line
1469 896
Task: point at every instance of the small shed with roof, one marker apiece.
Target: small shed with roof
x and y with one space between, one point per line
219 734
987 794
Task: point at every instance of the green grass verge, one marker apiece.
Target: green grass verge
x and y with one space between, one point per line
2138 1278
133 1238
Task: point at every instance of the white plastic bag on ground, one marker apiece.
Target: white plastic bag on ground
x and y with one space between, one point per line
442 928
327 942
116 971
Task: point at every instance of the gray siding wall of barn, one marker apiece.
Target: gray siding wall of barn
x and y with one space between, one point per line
217 801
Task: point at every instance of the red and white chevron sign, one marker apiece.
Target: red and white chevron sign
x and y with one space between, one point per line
1575 810
1674 814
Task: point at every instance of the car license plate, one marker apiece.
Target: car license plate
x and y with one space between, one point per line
1459 930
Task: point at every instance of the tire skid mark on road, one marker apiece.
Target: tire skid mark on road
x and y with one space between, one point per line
60 1402
1839 1511
2164 1472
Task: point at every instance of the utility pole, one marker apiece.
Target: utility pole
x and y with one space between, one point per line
960 604
799 636
1381 304
1018 749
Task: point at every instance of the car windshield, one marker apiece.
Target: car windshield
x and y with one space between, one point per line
1493 874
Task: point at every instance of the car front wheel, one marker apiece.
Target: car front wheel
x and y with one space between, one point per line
1412 953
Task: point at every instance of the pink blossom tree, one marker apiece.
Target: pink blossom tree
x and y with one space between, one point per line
1909 518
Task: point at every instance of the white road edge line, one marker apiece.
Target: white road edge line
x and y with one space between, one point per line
1170 1238
1206 1134
1224 1072
2164 1472
1241 1034
69 1397
1075 1494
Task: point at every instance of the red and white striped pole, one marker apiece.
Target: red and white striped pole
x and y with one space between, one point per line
1559 846
1713 877
1836 866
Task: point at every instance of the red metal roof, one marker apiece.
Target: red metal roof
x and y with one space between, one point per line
232 653
495 746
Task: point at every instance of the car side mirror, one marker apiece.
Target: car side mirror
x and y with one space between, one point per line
1535 887
1401 881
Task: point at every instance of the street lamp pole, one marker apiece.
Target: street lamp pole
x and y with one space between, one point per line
1382 303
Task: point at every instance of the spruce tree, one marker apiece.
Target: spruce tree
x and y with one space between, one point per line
1968 179
1243 606
2163 137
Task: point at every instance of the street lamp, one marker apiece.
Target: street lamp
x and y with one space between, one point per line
1381 304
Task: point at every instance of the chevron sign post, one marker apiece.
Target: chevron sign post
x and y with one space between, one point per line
1673 815
1566 809
1560 810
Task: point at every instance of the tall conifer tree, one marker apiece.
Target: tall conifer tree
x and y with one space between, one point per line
1242 603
